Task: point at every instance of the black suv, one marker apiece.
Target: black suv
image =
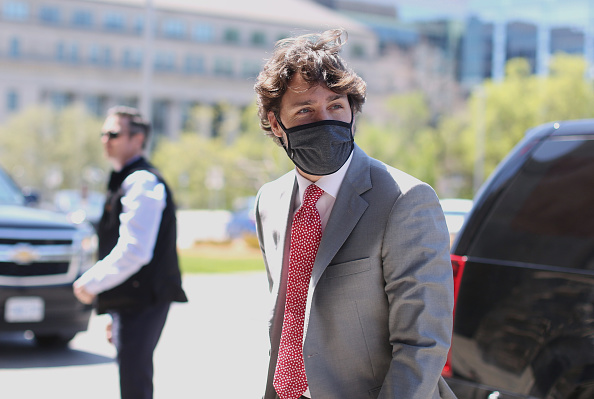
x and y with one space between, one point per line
524 273
41 254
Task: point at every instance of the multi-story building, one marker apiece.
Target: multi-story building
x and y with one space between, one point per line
476 38
164 56
498 31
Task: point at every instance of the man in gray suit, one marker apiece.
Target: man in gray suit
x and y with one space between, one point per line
375 318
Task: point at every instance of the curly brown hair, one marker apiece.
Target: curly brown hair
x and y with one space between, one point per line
315 57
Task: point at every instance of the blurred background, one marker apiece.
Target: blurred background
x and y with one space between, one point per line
452 87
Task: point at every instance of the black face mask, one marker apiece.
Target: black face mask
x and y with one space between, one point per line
319 148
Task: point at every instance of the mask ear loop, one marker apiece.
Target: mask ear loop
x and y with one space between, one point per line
287 148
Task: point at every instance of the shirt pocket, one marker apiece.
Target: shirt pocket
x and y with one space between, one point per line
348 268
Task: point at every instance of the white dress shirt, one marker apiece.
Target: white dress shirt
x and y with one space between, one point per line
142 208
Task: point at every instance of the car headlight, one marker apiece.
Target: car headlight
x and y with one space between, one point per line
85 250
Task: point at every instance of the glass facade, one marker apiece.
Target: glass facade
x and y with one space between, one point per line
12 101
223 66
132 59
174 29
203 33
231 36
194 64
164 61
258 39
49 15
113 21
15 10
82 19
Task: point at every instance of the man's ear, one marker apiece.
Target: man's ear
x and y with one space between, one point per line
276 129
140 139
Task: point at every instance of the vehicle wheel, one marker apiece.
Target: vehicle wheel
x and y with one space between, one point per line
53 341
584 391
575 384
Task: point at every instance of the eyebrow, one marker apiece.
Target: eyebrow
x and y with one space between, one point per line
329 99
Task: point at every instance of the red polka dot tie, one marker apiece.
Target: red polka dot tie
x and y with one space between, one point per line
306 233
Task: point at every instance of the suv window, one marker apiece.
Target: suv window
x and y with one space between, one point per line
9 192
545 214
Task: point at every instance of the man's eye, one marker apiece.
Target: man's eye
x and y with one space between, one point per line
303 111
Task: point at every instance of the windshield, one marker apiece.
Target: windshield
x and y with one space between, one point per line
9 192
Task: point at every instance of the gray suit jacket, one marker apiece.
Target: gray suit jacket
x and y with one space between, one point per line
380 304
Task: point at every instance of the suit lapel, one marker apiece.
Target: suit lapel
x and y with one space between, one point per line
347 211
282 214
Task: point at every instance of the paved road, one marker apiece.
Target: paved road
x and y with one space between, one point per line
215 346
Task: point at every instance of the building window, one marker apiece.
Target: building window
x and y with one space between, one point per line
61 100
138 24
94 54
100 55
132 59
128 101
250 69
258 39
113 21
60 51
106 56
74 53
96 105
202 33
174 29
231 36
12 101
82 19
283 36
357 51
15 10
160 116
65 53
49 15
14 47
195 64
223 67
164 61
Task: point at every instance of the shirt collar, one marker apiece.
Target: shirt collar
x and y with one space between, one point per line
329 183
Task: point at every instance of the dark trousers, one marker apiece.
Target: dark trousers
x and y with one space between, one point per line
135 336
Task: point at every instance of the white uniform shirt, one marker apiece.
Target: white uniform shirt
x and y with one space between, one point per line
142 209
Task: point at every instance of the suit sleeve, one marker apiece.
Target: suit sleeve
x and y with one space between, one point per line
259 233
419 287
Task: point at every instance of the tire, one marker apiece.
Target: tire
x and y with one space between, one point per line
583 391
53 340
574 384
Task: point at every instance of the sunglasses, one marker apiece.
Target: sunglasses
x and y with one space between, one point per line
111 135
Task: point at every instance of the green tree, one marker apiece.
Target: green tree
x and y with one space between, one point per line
522 101
195 165
406 140
51 150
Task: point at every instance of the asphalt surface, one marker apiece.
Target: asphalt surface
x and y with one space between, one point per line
215 346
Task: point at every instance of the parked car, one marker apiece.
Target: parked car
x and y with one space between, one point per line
80 205
242 223
524 273
41 254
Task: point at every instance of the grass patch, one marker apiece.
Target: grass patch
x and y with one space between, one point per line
220 258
